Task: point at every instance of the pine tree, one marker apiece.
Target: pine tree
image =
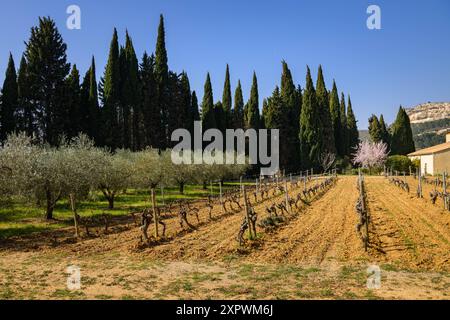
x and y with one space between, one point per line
352 126
323 101
238 111
375 132
344 130
273 111
253 117
385 135
336 119
26 115
226 100
47 70
208 114
309 132
162 82
9 101
402 137
110 89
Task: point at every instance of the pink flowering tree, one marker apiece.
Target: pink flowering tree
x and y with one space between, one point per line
370 155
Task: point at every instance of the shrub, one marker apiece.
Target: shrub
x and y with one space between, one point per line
399 163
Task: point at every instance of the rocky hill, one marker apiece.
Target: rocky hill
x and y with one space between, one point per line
429 122
428 112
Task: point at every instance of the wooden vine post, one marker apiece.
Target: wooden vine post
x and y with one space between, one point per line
247 212
242 186
288 207
212 190
75 215
220 190
364 210
155 214
162 195
444 186
419 176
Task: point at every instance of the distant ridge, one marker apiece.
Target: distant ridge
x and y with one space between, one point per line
429 122
428 112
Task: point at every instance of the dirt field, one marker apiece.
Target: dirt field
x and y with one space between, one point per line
317 254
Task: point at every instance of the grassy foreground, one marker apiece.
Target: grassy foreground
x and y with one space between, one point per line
18 218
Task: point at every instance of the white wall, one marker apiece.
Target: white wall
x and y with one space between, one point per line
427 164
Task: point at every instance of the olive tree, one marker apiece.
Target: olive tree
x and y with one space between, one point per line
32 171
116 174
151 169
80 167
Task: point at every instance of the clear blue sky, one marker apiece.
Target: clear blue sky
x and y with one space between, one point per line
407 62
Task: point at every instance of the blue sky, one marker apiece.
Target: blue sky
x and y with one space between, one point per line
407 62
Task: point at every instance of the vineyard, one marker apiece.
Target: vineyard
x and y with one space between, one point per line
303 228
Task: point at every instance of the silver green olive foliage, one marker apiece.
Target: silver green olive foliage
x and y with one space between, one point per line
151 168
32 171
116 173
45 175
81 164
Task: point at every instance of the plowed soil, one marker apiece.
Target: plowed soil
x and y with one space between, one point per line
315 254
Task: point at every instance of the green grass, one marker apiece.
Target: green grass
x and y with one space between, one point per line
18 218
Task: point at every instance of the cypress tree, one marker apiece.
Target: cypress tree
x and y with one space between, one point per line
208 114
185 115
9 101
336 119
238 111
385 135
219 114
194 114
26 114
226 100
344 129
402 137
136 112
309 133
94 111
84 104
194 107
375 132
352 126
47 71
130 97
150 109
110 86
289 130
70 116
253 117
89 108
326 126
173 117
162 82
124 113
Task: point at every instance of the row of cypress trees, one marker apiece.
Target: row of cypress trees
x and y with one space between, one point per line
398 137
139 103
